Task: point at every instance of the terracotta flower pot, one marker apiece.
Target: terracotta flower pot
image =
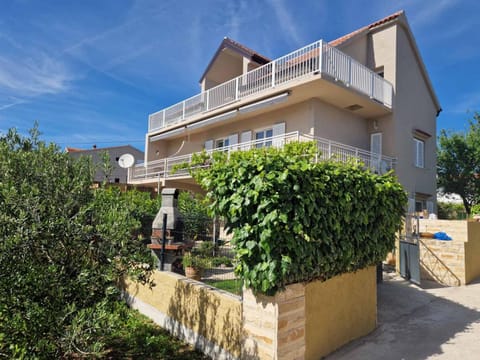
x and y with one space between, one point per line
193 273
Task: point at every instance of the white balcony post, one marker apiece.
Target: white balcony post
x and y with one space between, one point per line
329 149
183 110
163 119
372 92
165 168
236 88
207 95
273 73
320 56
349 70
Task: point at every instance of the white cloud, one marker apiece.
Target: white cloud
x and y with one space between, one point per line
32 76
286 22
427 12
12 101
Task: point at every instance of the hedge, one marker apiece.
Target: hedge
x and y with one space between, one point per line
296 220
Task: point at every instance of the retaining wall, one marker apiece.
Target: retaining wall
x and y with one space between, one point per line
455 262
205 317
305 321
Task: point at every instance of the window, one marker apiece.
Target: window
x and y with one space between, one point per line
220 143
263 138
419 153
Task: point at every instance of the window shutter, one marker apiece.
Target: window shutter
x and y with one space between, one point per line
278 129
376 151
411 206
246 136
233 141
430 207
421 151
209 145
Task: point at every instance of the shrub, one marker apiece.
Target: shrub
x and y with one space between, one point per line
64 248
196 222
450 211
296 220
476 209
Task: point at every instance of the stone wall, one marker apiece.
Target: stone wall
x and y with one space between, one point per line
305 321
207 318
442 261
340 310
454 262
309 321
274 326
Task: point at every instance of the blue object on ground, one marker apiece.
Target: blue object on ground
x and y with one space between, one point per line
441 236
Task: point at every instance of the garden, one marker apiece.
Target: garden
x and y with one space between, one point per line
67 247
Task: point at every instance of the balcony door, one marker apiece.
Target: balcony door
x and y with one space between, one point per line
376 151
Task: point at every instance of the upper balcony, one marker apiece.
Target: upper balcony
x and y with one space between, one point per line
318 58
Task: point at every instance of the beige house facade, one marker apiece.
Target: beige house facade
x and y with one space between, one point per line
365 95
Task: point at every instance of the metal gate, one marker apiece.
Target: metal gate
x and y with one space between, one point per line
409 247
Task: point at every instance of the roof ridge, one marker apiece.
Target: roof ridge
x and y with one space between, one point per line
245 48
382 21
103 148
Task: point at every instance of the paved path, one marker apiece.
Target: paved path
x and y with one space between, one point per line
414 323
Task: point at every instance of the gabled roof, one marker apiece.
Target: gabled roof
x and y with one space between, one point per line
71 149
364 29
399 18
76 150
228 43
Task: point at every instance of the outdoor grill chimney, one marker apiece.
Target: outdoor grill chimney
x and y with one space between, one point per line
174 219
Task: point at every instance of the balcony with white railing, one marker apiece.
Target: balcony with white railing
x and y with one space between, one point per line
168 168
317 58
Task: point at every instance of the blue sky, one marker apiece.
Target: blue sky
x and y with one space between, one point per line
91 71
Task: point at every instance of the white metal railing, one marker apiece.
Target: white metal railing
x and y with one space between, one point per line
318 57
329 150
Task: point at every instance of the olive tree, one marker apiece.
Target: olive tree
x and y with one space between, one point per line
64 248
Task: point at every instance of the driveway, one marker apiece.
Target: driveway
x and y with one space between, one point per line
421 323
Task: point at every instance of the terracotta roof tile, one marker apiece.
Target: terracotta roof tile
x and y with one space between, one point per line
249 51
71 149
229 43
385 20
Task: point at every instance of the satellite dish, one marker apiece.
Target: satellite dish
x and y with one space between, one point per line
126 160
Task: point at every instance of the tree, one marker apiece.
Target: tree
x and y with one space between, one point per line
458 163
64 248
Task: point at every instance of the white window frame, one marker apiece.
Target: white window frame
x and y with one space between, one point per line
224 140
259 143
419 153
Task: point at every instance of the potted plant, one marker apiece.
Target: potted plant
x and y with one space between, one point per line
195 265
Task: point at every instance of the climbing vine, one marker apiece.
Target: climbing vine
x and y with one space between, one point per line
297 220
